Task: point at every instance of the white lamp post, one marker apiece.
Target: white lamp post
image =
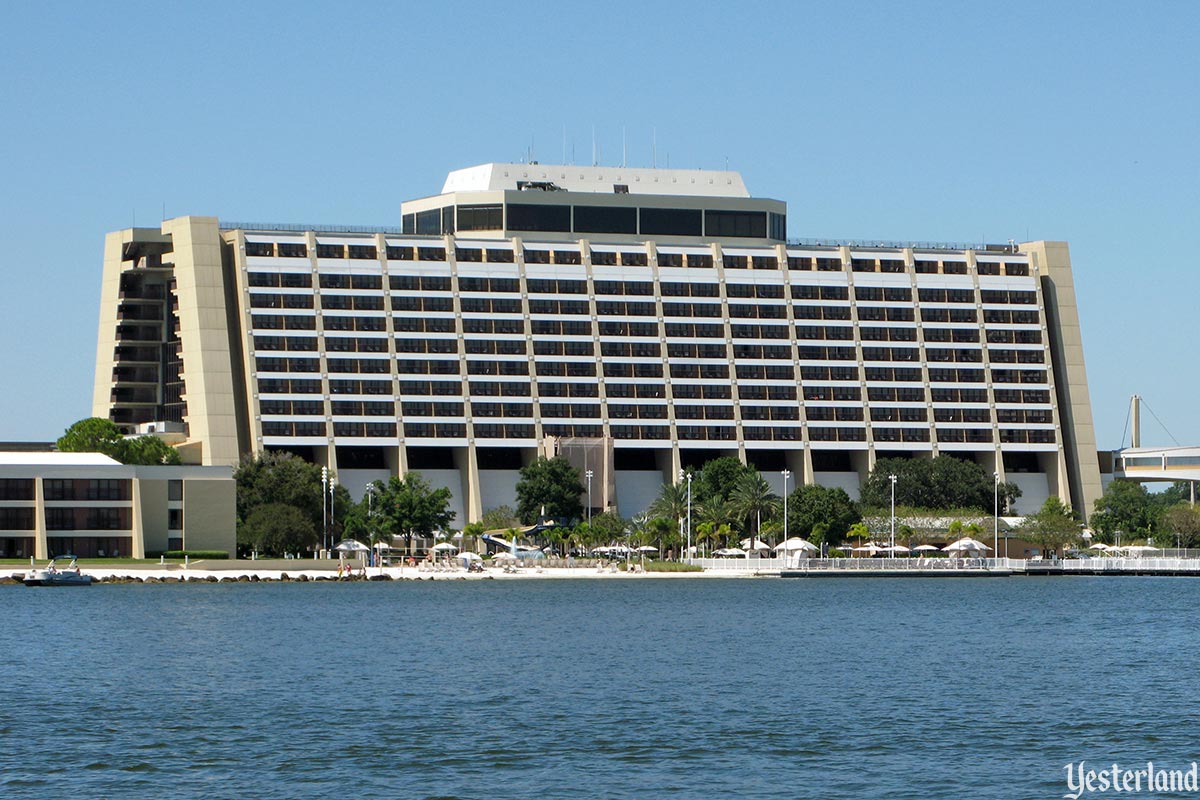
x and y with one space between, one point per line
332 486
589 508
786 474
324 508
892 553
688 475
996 516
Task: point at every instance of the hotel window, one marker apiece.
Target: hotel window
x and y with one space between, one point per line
744 224
670 222
527 217
480 218
175 490
600 219
293 250
175 519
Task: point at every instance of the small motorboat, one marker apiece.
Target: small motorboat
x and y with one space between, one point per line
53 576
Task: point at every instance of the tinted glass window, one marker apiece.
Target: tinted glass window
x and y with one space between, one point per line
598 219
671 221
523 217
735 223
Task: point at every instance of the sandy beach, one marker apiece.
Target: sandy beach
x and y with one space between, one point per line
305 571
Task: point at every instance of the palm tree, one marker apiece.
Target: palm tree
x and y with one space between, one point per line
752 498
672 501
717 518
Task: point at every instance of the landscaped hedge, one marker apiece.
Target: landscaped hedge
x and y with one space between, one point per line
672 566
214 554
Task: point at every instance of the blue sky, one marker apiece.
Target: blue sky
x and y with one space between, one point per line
913 121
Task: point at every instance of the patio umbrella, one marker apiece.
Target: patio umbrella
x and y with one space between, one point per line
646 548
898 548
924 548
966 543
468 556
1138 549
351 546
757 544
1100 546
729 551
795 543
869 547
504 557
444 546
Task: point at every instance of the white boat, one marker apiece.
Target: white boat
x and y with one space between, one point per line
53 576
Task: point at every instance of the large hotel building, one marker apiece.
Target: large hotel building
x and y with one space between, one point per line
636 320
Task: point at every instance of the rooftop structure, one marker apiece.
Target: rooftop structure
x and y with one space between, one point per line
528 309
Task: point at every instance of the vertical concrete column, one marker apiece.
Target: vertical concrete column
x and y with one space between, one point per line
848 268
40 548
137 526
719 264
798 461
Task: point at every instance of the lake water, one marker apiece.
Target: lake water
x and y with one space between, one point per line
831 688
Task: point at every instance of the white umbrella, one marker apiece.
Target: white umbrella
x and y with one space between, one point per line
870 547
504 557
757 544
1100 546
924 548
795 543
1140 548
646 548
382 546
351 546
729 551
966 543
444 546
898 548
469 556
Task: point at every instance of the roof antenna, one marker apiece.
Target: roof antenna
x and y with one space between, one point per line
654 148
593 145
623 147
564 144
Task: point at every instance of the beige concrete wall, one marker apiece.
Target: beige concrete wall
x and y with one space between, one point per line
106 336
204 337
1079 460
209 509
152 506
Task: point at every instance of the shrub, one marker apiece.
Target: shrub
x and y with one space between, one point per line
672 566
213 554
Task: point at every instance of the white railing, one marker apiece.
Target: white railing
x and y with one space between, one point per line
866 564
1131 564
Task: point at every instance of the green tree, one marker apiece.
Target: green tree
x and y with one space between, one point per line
275 477
499 518
97 435
1182 521
753 500
550 483
609 527
940 483
812 505
717 519
91 435
1125 506
410 507
275 529
672 501
718 478
1053 526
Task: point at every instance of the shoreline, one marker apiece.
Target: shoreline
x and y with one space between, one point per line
240 572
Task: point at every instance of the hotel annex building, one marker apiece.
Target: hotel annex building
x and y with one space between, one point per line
636 320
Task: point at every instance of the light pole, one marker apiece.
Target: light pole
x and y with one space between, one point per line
324 508
786 474
892 551
688 475
332 486
996 516
371 525
589 508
